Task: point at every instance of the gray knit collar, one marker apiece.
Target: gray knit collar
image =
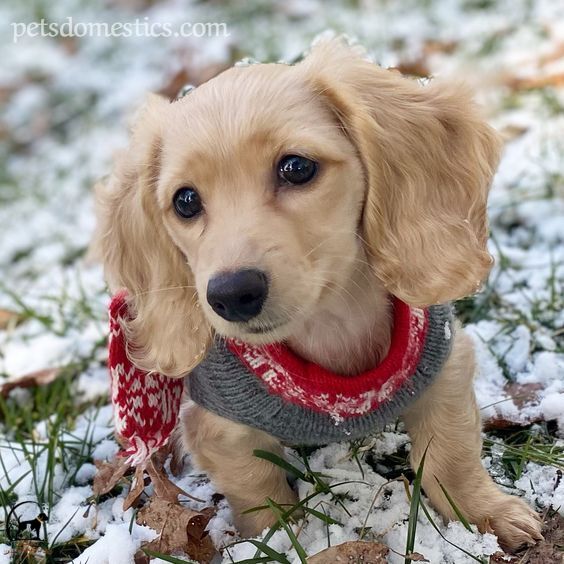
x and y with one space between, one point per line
272 389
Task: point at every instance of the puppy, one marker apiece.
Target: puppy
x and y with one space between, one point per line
286 235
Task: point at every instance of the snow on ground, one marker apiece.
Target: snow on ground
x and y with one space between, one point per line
67 103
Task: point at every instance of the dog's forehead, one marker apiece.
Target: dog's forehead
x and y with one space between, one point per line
243 100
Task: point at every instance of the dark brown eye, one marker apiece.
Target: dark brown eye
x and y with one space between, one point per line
187 202
293 169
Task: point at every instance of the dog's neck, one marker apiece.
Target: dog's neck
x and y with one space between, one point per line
351 332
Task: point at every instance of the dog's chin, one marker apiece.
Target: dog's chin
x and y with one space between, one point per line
259 334
266 329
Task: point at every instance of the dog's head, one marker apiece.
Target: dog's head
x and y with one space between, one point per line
243 205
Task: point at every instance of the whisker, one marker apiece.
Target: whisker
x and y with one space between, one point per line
165 289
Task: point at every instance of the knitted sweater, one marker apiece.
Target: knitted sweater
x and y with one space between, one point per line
272 389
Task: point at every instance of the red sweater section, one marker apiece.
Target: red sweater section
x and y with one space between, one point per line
310 385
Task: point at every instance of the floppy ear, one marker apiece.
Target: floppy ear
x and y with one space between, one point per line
429 159
167 332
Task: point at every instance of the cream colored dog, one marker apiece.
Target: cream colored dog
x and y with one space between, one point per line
387 197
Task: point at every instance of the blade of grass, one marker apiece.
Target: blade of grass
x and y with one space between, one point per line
414 509
372 503
264 548
166 557
284 464
279 512
64 527
324 517
321 516
254 560
459 514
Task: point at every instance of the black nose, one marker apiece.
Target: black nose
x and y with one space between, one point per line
238 296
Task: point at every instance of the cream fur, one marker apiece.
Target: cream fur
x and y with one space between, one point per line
398 207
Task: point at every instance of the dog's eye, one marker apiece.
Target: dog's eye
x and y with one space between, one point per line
293 169
187 202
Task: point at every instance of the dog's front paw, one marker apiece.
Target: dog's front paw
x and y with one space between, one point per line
514 522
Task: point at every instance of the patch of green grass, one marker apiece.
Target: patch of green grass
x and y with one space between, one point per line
285 515
54 406
479 4
523 445
52 457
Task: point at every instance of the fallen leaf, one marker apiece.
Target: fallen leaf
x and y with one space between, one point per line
179 529
530 83
136 489
28 549
109 474
522 395
416 557
164 488
37 378
503 424
549 549
8 318
503 558
176 457
352 552
190 74
141 558
416 67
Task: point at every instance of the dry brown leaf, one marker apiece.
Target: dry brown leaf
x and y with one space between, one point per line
109 474
530 83
550 548
176 457
190 74
164 488
498 424
522 395
416 67
352 552
141 558
503 558
503 424
8 318
416 557
37 378
179 528
29 550
136 489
